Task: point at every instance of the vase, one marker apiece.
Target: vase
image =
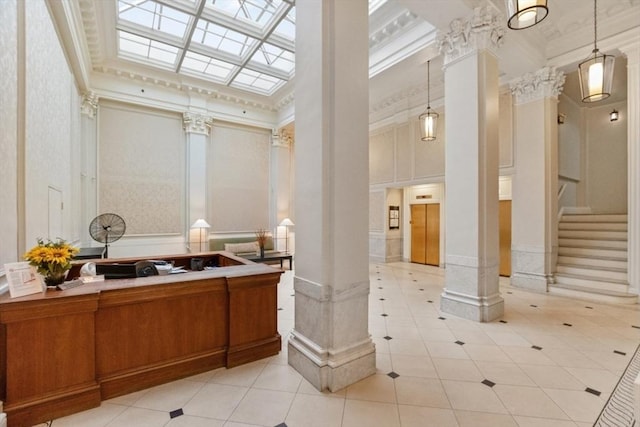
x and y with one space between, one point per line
261 251
54 279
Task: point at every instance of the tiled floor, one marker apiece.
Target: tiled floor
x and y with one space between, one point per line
549 362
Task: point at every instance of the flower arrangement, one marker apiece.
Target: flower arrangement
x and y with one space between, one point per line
261 237
52 259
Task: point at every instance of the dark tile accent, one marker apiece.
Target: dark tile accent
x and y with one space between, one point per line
381 299
414 280
282 425
293 295
535 347
459 342
384 315
379 287
567 324
590 308
533 305
421 289
176 413
430 301
442 318
410 274
379 278
280 308
592 391
509 292
488 383
387 338
634 326
393 375
621 353
503 321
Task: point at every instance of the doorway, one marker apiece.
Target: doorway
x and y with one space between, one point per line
425 234
504 219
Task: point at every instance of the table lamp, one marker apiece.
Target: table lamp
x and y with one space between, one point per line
200 223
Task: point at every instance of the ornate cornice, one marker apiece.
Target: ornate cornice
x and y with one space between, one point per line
196 123
89 105
483 30
544 83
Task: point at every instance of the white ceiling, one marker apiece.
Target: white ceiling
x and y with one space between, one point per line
401 36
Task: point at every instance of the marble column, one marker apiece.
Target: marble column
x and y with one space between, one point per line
471 166
197 127
632 52
534 238
330 344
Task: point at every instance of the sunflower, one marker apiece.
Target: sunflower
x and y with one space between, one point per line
51 257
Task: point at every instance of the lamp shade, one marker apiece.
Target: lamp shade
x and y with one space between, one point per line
428 125
286 222
614 115
596 77
526 13
200 223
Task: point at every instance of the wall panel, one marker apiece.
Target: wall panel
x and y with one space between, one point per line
238 178
141 168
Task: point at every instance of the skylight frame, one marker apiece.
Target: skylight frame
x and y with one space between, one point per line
229 65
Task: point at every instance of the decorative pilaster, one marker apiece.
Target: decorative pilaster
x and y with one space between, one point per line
196 123
482 31
89 105
534 227
281 178
197 127
632 52
471 167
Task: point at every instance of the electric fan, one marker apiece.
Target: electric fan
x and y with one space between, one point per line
107 228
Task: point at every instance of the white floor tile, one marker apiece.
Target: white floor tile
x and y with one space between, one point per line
470 396
416 416
315 411
263 407
528 401
359 413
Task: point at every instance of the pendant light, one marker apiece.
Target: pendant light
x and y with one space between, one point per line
526 13
596 73
428 119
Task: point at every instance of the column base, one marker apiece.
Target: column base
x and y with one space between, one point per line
529 269
479 309
330 370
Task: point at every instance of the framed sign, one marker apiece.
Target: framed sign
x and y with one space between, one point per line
394 217
23 279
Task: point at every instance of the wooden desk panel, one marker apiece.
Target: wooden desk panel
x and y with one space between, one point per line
63 351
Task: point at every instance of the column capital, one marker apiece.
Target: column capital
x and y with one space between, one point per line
281 138
89 106
196 123
545 83
483 30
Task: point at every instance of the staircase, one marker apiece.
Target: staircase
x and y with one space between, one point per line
592 258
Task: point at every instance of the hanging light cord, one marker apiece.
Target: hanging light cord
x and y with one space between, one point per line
595 25
428 86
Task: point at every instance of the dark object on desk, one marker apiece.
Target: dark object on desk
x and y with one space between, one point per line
197 264
117 271
89 253
145 269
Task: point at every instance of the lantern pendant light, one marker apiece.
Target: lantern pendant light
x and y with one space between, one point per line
596 73
526 13
428 119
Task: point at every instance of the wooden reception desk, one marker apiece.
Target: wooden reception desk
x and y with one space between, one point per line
64 351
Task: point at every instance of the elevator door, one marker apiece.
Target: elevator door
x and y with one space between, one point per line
425 234
505 237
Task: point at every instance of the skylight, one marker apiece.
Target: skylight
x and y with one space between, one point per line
245 44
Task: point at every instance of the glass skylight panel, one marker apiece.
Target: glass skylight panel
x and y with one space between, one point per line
258 12
220 38
210 67
154 16
273 56
287 27
146 48
257 82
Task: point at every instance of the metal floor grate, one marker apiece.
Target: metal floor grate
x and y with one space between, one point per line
619 410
